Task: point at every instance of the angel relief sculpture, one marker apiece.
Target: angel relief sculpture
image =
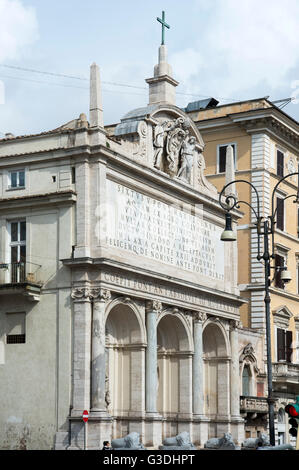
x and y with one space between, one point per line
174 148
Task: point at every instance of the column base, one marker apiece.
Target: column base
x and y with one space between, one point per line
238 429
99 413
153 430
98 429
200 432
61 440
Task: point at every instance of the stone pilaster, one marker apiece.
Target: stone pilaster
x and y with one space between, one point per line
237 423
153 423
198 368
200 422
153 308
98 354
82 347
234 373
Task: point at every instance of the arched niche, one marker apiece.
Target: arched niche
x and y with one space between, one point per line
125 345
174 364
216 370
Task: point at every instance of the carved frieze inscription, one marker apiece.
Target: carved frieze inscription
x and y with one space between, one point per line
148 227
179 295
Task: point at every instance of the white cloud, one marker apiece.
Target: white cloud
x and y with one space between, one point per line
18 28
244 44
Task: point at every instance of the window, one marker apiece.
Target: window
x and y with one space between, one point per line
73 175
280 213
15 328
18 250
280 163
222 157
246 381
279 262
284 345
17 179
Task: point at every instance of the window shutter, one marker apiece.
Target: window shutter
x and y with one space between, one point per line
279 261
289 350
280 345
222 159
280 163
280 213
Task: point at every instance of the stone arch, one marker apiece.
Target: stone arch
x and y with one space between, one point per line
125 347
216 355
174 364
128 303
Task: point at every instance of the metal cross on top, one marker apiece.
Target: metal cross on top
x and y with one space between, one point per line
164 25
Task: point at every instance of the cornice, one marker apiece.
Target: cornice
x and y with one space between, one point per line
98 263
56 198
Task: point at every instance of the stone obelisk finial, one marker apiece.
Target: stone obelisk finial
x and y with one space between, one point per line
95 108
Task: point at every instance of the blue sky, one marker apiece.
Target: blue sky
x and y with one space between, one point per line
229 49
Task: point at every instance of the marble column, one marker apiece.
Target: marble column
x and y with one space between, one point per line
98 354
81 357
151 379
198 366
234 375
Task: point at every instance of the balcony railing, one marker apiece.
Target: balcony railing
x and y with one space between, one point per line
19 273
253 404
285 372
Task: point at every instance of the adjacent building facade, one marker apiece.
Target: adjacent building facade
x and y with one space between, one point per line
264 141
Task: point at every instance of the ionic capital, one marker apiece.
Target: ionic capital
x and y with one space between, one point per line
153 306
235 324
200 316
81 294
100 295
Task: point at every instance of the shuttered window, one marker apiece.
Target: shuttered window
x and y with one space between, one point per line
279 262
280 163
289 340
280 345
280 213
284 345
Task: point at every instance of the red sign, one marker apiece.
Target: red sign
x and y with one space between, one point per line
85 416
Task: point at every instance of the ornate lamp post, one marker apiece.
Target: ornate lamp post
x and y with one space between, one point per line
265 226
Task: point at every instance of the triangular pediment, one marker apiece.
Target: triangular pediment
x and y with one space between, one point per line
282 316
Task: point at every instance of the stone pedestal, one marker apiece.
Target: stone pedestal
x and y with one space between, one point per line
97 431
200 430
153 430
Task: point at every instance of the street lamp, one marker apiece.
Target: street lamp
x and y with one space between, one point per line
265 226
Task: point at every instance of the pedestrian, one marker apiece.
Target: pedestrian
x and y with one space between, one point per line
106 445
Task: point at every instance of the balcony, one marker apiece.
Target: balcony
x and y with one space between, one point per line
286 377
255 410
20 279
253 405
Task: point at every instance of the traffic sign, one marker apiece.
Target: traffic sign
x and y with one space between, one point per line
85 416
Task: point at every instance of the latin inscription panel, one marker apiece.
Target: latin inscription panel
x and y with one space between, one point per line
163 232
